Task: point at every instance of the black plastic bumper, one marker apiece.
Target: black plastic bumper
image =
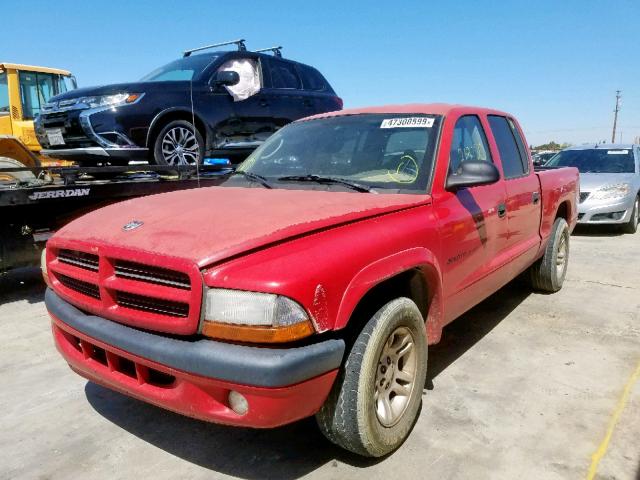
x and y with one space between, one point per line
257 366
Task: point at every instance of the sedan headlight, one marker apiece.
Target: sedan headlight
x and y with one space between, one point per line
254 317
111 100
611 191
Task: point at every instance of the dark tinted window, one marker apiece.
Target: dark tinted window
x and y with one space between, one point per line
313 79
284 75
469 143
521 145
4 93
596 160
512 163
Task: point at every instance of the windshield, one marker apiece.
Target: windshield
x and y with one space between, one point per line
387 151
596 160
183 69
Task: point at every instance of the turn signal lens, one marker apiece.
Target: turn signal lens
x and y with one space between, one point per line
243 333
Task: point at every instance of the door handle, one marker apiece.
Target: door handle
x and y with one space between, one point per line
502 210
264 103
535 197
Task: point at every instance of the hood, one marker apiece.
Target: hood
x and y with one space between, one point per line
592 181
207 225
132 87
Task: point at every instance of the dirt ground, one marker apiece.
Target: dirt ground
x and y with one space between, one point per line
524 386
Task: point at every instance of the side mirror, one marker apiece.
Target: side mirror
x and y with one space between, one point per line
472 174
227 78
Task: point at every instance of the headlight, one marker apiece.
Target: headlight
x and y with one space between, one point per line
611 191
253 317
111 100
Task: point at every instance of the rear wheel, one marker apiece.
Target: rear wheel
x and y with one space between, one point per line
178 143
548 273
376 399
632 225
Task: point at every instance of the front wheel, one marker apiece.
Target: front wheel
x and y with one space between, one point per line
178 143
376 399
632 225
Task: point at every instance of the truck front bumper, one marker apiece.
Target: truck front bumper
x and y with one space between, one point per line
195 377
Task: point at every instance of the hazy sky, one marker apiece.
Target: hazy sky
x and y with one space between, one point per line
553 64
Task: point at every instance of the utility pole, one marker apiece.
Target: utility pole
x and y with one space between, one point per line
615 116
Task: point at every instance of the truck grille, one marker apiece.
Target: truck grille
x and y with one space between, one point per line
584 196
135 293
147 273
155 305
84 288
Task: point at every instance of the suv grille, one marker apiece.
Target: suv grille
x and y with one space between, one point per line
134 293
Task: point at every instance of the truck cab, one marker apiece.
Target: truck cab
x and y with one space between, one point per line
24 89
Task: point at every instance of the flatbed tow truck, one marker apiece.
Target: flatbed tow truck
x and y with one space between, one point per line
35 201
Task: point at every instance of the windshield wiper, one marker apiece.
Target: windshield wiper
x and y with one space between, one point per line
327 180
253 176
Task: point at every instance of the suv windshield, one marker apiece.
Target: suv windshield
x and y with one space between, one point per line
596 160
388 151
183 69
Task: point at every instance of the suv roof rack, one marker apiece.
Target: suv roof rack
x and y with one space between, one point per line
277 51
240 43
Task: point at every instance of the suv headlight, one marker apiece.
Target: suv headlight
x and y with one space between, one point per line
611 191
111 100
253 317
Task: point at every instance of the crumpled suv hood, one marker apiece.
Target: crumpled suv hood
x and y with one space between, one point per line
207 225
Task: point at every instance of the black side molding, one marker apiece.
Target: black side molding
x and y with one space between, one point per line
256 366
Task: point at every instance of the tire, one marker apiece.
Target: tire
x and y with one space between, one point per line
632 225
353 416
178 143
548 273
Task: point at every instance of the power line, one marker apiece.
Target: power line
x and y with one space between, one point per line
615 116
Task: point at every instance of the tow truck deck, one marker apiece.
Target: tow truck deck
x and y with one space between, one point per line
31 211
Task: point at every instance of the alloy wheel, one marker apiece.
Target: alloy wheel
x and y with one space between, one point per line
395 377
561 257
180 147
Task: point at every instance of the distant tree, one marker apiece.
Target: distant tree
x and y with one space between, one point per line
552 146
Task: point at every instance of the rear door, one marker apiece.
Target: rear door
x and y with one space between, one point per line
523 193
287 98
472 225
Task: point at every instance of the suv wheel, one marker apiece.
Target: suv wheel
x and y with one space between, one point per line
178 143
375 401
632 225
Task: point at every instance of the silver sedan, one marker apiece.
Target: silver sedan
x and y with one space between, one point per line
609 183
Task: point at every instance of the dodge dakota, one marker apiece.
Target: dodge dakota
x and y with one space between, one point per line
312 281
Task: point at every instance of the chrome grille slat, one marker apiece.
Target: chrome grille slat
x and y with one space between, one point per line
150 274
83 260
150 304
80 286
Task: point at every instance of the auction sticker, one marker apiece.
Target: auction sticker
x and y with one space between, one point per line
407 122
617 152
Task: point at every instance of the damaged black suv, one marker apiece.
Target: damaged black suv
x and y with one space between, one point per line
222 104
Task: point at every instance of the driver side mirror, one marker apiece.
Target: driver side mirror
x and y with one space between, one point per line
226 78
473 174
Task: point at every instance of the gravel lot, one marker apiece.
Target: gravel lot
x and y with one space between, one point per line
523 386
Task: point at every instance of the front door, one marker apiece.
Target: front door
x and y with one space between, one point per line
472 223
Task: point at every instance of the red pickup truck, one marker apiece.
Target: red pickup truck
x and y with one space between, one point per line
313 279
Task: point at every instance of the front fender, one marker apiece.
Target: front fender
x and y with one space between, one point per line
385 268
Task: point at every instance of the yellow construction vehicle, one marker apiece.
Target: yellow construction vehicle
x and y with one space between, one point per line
24 89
